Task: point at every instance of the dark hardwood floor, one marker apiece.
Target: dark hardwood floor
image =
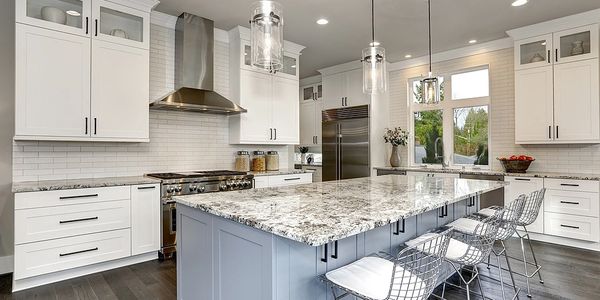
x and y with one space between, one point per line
569 274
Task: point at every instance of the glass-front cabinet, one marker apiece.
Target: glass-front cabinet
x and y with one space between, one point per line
576 44
313 92
71 16
533 52
120 24
290 62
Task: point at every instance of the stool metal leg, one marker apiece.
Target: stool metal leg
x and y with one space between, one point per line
539 272
510 271
525 266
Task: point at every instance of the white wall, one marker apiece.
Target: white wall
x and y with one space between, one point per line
178 140
549 158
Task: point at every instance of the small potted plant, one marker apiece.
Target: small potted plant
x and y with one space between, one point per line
397 137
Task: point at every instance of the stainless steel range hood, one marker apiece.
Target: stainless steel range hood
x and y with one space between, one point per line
194 51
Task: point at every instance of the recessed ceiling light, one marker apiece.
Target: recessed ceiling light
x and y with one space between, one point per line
374 44
73 13
322 21
519 2
472 41
407 56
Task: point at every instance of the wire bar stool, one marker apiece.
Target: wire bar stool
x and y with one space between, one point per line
411 275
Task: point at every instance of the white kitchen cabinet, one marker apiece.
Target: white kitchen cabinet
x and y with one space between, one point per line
52 84
120 91
121 24
577 101
264 181
572 227
533 52
313 92
343 90
77 21
285 111
576 44
145 218
525 185
310 122
534 108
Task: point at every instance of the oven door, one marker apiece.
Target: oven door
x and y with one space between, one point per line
169 227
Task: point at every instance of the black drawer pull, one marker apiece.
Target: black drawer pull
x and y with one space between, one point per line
78 220
96 27
335 250
569 226
522 179
79 196
569 202
324 258
146 187
290 179
398 231
78 252
446 210
569 184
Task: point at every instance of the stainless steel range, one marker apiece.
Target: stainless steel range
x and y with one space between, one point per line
189 183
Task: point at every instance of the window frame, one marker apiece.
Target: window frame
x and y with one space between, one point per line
447 107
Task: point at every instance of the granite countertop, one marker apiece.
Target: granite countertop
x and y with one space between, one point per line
280 172
322 212
318 165
557 175
52 185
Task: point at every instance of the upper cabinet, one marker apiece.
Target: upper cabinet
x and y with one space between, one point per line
311 107
343 90
271 99
82 70
313 92
557 87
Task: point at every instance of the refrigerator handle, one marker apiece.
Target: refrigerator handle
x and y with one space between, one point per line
339 142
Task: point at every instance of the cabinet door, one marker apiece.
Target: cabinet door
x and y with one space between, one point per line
333 92
120 92
533 52
145 218
255 91
319 91
354 89
576 44
576 101
307 123
70 16
318 122
525 185
533 105
121 24
285 111
52 83
290 67
307 93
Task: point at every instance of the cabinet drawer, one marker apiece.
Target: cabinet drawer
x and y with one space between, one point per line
70 197
61 254
38 224
294 179
569 226
575 203
261 182
572 185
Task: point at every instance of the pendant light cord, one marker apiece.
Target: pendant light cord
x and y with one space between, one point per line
373 22
429 20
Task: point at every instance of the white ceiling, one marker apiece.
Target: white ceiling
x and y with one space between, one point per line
401 25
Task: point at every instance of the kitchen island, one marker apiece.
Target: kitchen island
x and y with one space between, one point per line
273 243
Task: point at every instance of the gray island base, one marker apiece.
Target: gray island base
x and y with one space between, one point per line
273 243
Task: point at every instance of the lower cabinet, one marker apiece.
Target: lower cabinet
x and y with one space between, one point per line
317 172
525 185
145 219
282 180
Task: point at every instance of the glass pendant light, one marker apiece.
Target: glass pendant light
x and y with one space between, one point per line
374 65
266 35
430 85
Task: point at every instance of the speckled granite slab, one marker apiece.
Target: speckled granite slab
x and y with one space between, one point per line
557 175
322 212
52 185
280 172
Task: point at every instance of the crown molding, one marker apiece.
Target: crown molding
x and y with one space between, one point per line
244 34
568 22
143 5
310 80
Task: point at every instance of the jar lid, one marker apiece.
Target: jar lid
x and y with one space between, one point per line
272 152
259 152
243 153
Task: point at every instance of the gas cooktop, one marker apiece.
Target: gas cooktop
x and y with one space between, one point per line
196 174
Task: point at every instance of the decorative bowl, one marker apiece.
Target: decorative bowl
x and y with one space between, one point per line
53 14
516 166
119 33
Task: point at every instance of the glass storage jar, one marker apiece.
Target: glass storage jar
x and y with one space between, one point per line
259 161
242 161
272 161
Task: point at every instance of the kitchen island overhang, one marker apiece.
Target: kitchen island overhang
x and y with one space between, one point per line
273 243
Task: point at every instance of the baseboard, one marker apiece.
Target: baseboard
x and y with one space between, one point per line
27 283
6 264
564 241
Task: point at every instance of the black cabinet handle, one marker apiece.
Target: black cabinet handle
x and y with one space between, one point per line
556 54
446 210
556 131
335 250
569 226
275 133
77 252
95 125
324 258
569 202
548 56
441 212
549 132
569 184
290 179
271 129
342 101
145 187
87 26
522 179
86 125
78 196
96 27
77 220
397 231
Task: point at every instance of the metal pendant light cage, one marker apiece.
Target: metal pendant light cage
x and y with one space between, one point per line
374 63
266 35
430 86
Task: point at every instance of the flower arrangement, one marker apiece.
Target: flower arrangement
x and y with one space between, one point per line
302 149
396 136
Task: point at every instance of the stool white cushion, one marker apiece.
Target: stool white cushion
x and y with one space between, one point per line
372 277
457 250
488 212
465 225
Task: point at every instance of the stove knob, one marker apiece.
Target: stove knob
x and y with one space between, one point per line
178 189
201 189
170 189
247 183
223 186
193 188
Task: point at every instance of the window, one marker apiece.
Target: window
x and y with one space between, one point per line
454 131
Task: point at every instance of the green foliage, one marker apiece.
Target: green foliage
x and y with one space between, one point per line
471 139
428 128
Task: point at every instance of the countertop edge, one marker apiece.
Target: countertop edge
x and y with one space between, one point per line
573 176
83 183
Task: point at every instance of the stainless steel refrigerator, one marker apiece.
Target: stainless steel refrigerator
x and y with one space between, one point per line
346 143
